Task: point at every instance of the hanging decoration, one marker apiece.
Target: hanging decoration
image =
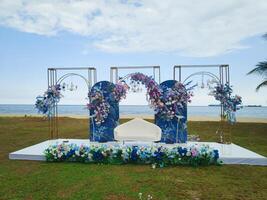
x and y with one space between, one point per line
71 87
206 83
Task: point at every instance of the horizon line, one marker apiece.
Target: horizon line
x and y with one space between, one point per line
27 104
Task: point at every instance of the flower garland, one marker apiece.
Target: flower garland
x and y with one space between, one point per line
46 103
156 155
223 93
168 103
154 92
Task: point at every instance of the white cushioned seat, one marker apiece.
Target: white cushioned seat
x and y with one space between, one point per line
137 130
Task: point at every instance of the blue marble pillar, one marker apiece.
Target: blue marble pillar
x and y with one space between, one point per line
173 130
104 132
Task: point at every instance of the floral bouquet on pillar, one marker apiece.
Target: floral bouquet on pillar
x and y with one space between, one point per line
229 104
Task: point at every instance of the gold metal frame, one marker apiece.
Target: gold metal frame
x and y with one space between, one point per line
114 72
223 77
52 79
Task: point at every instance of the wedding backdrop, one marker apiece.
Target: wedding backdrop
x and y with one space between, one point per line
168 99
162 143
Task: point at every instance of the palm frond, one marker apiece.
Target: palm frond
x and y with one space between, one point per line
263 84
260 69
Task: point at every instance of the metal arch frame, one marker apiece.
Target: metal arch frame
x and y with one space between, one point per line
52 79
203 73
224 74
62 78
224 71
115 71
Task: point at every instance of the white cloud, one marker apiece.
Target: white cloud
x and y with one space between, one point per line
193 28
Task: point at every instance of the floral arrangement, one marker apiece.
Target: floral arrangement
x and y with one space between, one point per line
100 106
168 104
223 93
46 103
157 156
174 100
120 90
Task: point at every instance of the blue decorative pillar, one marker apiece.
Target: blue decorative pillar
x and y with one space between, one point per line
173 130
104 132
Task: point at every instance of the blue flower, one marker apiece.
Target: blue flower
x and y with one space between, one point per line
182 151
158 155
98 156
70 153
215 154
134 155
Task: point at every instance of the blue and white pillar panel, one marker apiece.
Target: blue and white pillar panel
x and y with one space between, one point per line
173 130
104 132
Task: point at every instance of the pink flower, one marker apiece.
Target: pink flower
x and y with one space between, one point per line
194 152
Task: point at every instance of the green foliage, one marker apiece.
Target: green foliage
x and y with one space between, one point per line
261 69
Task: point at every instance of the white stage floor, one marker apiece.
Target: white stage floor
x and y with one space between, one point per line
229 153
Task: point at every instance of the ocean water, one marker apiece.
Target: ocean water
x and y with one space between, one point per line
205 111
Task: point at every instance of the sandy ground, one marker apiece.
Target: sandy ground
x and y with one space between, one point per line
191 118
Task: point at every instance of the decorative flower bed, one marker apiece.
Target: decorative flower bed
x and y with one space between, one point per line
156 155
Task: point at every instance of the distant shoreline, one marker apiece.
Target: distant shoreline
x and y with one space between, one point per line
191 118
13 104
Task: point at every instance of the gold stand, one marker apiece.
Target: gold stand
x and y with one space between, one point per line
224 132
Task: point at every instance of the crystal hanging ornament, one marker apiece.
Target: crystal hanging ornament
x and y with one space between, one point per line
202 83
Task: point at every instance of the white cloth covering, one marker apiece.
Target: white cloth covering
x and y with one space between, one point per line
137 130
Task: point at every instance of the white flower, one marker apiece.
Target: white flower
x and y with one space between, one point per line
154 166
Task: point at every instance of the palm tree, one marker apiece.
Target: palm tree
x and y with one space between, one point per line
261 69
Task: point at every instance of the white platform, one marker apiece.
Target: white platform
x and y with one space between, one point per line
229 154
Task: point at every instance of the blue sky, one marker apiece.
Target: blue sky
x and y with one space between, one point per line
31 42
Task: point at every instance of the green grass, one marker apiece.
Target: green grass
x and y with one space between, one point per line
41 180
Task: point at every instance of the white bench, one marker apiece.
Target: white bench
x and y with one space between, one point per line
137 130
